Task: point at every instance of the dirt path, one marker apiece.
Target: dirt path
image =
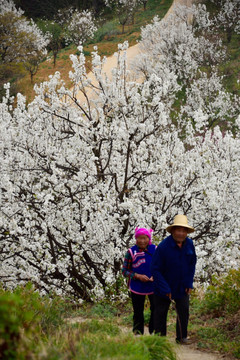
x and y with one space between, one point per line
134 50
187 353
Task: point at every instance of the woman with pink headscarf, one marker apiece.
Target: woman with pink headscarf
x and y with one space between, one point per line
136 267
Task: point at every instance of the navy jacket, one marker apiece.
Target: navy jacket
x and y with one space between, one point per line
173 268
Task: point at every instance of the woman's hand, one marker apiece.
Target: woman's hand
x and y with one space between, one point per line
143 278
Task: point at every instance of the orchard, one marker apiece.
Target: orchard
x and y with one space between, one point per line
78 176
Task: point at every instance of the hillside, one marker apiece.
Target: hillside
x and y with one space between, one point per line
107 38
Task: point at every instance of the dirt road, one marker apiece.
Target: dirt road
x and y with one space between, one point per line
133 51
186 353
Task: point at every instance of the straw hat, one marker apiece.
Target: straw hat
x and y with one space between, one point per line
180 220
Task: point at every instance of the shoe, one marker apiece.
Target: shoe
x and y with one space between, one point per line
184 341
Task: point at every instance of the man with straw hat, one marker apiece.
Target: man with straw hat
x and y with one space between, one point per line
173 268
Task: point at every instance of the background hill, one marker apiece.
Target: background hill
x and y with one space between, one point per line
106 38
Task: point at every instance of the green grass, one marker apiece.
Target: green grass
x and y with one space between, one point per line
103 330
212 331
49 332
96 340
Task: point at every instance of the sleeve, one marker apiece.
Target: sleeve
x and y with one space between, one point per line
157 265
127 266
192 267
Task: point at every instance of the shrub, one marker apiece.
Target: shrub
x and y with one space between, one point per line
13 320
108 30
223 295
24 313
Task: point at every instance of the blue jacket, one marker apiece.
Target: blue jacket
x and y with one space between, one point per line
173 268
141 264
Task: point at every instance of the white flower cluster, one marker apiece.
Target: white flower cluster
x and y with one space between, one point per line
228 17
119 3
9 6
81 27
78 176
176 44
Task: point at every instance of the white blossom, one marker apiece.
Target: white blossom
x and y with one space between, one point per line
77 176
81 27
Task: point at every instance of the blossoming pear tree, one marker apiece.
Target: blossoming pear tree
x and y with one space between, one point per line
125 9
77 176
20 39
228 17
80 27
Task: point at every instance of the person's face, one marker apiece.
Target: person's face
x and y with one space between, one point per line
142 241
179 233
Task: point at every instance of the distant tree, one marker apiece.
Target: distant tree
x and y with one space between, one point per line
63 16
12 45
55 34
228 17
35 44
80 28
20 39
32 65
187 48
48 8
125 10
144 2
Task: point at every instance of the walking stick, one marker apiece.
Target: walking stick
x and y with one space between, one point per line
178 317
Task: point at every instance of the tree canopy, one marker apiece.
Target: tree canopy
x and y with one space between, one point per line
48 8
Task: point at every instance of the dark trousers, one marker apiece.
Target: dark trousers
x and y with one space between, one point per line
161 306
138 313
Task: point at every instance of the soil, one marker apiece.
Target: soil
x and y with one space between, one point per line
186 353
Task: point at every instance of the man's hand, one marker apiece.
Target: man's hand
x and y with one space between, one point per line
188 291
169 296
143 278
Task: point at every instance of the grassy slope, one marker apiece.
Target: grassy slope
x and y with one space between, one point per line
230 68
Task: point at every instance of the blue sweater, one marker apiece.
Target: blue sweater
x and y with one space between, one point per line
173 267
141 264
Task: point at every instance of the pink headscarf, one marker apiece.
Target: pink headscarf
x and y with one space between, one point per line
144 231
